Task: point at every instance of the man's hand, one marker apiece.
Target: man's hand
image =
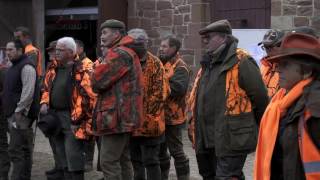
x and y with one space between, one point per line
44 109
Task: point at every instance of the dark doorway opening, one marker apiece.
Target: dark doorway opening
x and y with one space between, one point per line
84 30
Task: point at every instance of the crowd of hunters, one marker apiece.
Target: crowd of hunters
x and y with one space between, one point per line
134 105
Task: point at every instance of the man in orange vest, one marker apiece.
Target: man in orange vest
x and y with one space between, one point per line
230 98
33 53
289 140
178 74
146 140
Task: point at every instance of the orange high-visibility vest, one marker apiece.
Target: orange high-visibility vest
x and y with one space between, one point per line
29 49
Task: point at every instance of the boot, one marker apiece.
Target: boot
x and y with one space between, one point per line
184 177
56 175
77 175
67 175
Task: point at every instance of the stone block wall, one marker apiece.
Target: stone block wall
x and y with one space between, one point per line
182 18
286 14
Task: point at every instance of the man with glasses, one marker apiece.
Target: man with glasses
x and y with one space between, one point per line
67 92
271 40
230 98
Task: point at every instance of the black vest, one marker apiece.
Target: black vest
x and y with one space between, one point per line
13 86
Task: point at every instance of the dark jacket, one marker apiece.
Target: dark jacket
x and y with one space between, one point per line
229 135
13 86
118 81
286 162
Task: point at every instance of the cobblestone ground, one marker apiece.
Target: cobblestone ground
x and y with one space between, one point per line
43 161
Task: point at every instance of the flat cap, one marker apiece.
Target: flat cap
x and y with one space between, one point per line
52 46
221 26
113 23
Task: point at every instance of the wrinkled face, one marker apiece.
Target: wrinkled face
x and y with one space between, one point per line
290 73
20 36
108 36
12 52
213 40
165 51
63 53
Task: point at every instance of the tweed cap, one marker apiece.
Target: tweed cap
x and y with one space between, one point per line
221 26
305 30
52 46
113 23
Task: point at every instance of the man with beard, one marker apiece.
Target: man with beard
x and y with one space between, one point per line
229 98
34 54
18 96
177 73
118 81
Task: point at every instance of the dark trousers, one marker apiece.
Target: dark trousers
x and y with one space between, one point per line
4 156
115 157
70 151
89 151
145 157
53 146
212 167
20 152
173 142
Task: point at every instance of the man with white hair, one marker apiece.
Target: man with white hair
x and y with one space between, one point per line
145 144
67 95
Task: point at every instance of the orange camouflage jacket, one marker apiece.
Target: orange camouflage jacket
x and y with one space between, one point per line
156 89
175 106
270 77
35 55
83 98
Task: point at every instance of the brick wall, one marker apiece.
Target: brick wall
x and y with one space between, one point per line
183 18
287 14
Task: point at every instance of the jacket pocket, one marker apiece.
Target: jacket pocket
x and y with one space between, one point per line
242 132
108 118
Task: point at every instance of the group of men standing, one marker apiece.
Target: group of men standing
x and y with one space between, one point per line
136 103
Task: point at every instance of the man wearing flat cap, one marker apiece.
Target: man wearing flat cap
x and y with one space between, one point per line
118 81
230 98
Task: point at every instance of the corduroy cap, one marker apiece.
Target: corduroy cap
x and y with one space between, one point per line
113 23
221 26
52 46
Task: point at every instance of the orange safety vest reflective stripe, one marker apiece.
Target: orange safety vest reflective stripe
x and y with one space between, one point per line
310 154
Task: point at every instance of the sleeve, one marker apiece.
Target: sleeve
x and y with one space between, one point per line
28 78
251 81
314 129
108 73
179 82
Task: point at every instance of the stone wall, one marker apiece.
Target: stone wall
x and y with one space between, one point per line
182 18
286 14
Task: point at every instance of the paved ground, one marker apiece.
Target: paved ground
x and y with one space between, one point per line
43 161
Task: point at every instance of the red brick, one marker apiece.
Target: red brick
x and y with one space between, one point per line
276 8
301 21
146 5
177 19
146 24
166 17
155 23
200 12
315 22
181 30
133 23
290 2
317 4
162 5
151 14
289 10
304 11
304 2
184 9
187 18
177 2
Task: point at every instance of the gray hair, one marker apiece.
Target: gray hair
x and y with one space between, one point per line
69 42
138 35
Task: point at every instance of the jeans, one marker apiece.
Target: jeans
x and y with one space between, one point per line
145 157
174 143
115 159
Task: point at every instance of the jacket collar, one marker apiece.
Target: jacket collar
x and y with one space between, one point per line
230 58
